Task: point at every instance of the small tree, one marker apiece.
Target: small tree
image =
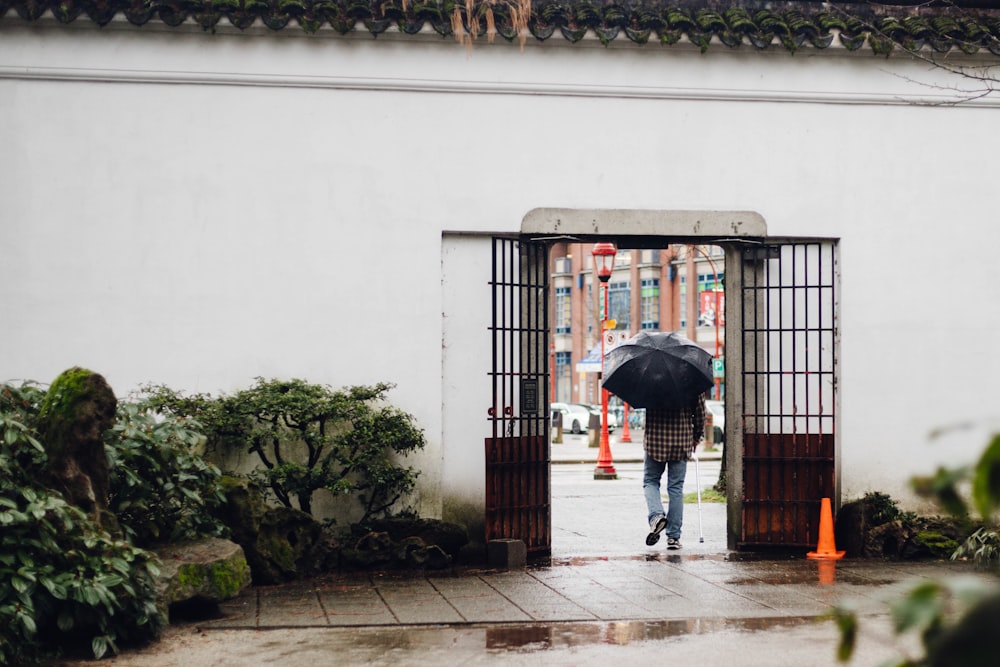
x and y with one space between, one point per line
308 438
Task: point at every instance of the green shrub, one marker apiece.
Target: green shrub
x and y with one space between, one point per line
954 618
983 546
21 403
308 438
880 508
162 490
62 579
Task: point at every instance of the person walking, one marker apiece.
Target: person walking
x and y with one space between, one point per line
671 436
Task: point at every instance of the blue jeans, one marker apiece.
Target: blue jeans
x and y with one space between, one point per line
652 471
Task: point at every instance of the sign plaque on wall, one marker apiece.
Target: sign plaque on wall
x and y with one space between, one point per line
529 396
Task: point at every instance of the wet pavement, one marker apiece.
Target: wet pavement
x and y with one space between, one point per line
652 588
603 596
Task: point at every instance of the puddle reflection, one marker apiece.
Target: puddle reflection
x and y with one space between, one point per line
542 563
536 637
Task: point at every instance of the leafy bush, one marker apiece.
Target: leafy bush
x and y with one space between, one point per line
308 438
955 618
62 579
882 509
65 580
21 403
162 490
983 546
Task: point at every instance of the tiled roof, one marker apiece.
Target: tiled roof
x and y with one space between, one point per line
705 23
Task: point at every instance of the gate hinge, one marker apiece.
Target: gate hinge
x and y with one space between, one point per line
759 253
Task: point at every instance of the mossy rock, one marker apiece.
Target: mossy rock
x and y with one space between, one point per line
935 544
935 537
242 510
285 538
281 543
873 527
76 411
209 570
77 405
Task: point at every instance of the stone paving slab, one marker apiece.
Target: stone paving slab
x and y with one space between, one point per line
478 602
605 590
601 571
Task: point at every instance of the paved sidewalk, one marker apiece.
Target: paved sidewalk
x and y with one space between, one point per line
600 571
656 587
603 598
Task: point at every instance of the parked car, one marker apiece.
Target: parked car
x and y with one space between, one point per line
596 410
575 417
718 411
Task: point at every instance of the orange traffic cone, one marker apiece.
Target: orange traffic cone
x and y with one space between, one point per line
826 549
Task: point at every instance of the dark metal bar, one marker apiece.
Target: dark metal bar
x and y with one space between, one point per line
496 333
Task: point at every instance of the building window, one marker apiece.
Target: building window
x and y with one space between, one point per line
564 310
590 300
682 301
618 303
564 377
706 281
650 304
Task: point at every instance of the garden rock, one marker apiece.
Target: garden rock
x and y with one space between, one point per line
78 408
209 571
449 537
851 528
281 543
284 545
863 530
377 549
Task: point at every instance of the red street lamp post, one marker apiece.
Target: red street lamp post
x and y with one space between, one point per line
718 344
626 436
718 341
604 260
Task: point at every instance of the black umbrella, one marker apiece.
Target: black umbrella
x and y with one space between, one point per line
658 370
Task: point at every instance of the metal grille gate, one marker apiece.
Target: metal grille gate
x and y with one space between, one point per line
788 391
518 494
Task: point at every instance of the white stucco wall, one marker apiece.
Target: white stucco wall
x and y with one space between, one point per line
466 386
199 209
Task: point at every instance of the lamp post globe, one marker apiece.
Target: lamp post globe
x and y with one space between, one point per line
604 260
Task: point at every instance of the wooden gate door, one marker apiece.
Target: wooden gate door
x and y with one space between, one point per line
518 493
787 391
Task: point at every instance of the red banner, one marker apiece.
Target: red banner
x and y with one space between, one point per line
709 308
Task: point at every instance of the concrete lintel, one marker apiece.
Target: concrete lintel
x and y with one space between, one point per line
588 223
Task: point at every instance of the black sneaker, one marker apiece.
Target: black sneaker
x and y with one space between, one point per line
673 543
656 526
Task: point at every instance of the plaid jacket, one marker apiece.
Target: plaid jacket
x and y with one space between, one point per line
671 435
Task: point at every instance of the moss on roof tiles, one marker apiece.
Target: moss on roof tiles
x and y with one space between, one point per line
723 23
